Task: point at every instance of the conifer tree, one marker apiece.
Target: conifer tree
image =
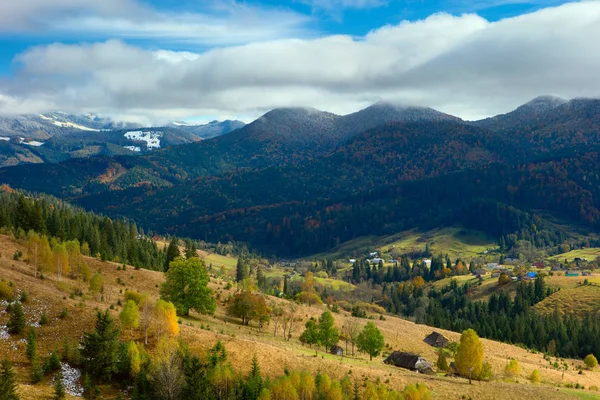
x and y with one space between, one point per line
100 348
59 387
31 349
16 323
172 253
8 382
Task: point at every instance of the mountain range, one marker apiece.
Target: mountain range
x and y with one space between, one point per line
298 180
56 137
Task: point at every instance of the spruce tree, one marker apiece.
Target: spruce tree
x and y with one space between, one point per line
241 269
100 349
31 349
16 323
8 382
172 252
59 387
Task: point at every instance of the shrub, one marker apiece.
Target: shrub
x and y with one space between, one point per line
535 376
44 318
135 296
63 314
6 292
416 392
487 372
590 361
23 297
512 369
442 362
18 254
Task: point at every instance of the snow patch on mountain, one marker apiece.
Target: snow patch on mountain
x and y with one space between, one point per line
133 148
151 138
67 124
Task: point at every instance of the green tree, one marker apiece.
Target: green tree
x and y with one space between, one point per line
469 357
590 361
328 333
186 287
130 316
8 382
59 387
310 335
190 249
370 340
100 349
442 361
16 322
254 384
31 349
172 253
242 270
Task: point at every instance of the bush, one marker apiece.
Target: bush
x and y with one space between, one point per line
416 392
535 376
135 296
358 312
6 292
512 369
590 361
44 318
487 372
63 314
18 254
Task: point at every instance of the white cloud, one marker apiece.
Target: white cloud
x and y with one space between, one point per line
337 4
462 65
216 22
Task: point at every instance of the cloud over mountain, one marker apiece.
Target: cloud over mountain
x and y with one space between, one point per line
462 65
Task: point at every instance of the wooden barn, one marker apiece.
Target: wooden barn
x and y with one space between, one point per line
336 350
410 361
436 339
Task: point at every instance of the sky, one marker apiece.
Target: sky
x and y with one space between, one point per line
154 61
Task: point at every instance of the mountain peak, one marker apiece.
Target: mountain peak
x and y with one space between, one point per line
542 104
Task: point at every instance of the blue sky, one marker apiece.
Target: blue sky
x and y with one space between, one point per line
226 58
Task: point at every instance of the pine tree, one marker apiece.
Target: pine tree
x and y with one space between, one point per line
16 323
59 387
8 382
190 249
31 349
241 269
100 348
172 253
254 384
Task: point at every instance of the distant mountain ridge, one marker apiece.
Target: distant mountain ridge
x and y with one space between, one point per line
300 180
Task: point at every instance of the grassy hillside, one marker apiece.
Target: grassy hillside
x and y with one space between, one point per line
590 254
454 241
241 342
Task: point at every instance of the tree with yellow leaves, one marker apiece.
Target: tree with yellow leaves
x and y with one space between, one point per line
512 369
135 361
308 294
61 260
165 319
469 357
130 316
166 372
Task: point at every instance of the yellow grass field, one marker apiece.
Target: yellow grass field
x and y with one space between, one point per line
274 354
